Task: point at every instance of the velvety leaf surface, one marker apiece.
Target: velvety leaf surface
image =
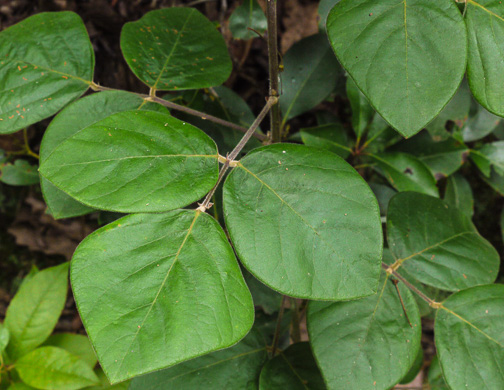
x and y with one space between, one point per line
176 48
309 76
438 244
76 344
53 368
248 15
135 161
405 172
485 66
237 367
469 336
293 369
458 193
367 343
35 309
167 277
331 251
491 154
332 137
20 173
362 112
41 75
70 121
407 57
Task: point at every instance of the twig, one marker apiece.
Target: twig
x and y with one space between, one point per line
271 14
395 281
278 327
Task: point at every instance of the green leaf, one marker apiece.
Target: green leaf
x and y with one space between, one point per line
495 181
46 61
248 15
490 155
323 10
459 194
368 343
135 161
485 63
69 122
21 173
237 367
167 277
406 172
415 368
4 337
331 251
435 376
480 124
332 137
443 158
176 48
76 344
383 194
309 76
35 309
293 369
263 296
380 135
20 386
362 112
469 331
53 368
407 57
105 384
438 244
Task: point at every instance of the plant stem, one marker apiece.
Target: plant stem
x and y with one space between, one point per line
237 149
187 110
271 14
295 323
278 327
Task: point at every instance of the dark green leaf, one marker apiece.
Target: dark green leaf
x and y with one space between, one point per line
383 194
323 10
264 297
438 244
408 58
469 331
176 48
105 384
172 278
362 112
406 172
21 173
248 15
237 367
66 124
46 61
415 368
485 65
480 124
309 76
435 376
459 194
135 161
76 344
331 251
489 155
332 137
368 343
380 135
35 309
53 368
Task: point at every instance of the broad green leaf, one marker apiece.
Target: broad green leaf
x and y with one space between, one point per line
457 110
20 173
380 135
176 48
323 10
485 62
248 15
415 368
309 76
331 251
459 194
237 367
362 112
490 155
135 161
469 336
383 194
4 337
70 121
46 61
53 368
76 344
263 296
172 278
443 158
293 369
496 181
407 57
480 124
332 137
438 244
33 271
406 172
105 384
435 376
20 386
367 343
35 309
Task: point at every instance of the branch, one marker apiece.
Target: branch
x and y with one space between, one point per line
271 14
